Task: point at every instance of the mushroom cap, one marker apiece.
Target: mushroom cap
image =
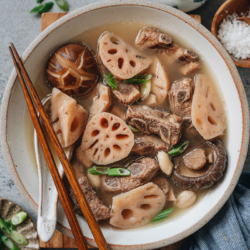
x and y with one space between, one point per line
73 69
107 139
204 178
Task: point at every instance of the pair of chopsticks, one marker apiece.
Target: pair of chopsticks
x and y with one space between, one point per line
29 91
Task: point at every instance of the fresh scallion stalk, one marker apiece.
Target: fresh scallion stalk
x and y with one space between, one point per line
8 222
42 8
62 4
19 218
98 170
133 129
4 227
163 214
139 79
9 243
179 149
109 79
19 238
39 1
145 89
118 172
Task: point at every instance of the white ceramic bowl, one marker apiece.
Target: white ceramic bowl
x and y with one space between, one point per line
19 160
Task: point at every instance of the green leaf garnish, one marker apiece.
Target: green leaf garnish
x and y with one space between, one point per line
163 214
179 149
118 172
62 4
96 170
42 8
139 79
109 80
133 129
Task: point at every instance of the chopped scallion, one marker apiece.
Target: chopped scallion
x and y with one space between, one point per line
118 172
63 5
9 243
19 238
139 79
133 129
109 80
19 218
179 149
98 170
163 214
4 227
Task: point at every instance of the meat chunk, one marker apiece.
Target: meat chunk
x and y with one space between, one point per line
196 159
119 110
127 93
150 121
100 211
162 183
151 38
149 145
102 102
180 97
142 171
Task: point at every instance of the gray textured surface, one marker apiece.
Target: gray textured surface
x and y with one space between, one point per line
20 27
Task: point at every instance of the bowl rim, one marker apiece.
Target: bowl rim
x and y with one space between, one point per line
207 35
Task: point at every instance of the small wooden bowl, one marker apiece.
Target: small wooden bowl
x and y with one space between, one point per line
229 7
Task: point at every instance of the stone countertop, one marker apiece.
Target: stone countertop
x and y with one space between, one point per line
20 27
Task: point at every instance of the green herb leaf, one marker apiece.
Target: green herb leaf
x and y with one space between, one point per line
109 80
98 170
118 172
39 1
4 227
162 215
133 129
19 238
179 149
42 8
139 79
63 5
19 218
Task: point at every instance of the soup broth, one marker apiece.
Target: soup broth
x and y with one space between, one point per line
128 31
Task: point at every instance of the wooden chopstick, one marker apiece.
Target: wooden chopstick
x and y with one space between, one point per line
83 204
81 243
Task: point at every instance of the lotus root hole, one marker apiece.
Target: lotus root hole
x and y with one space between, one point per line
109 60
107 136
120 62
132 63
104 123
59 131
112 51
95 133
115 126
93 144
117 148
152 196
106 152
74 124
211 120
127 214
145 206
199 122
114 40
95 151
212 106
121 137
150 188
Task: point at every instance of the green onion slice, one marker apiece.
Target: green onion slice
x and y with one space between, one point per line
139 79
19 218
9 243
62 4
109 80
133 129
163 214
118 172
4 227
19 238
179 149
42 8
98 170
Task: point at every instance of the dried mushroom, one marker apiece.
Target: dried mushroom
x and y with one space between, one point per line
120 59
72 69
208 115
107 139
142 171
196 159
67 117
205 177
137 207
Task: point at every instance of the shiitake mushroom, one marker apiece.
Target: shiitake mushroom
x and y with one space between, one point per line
72 69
